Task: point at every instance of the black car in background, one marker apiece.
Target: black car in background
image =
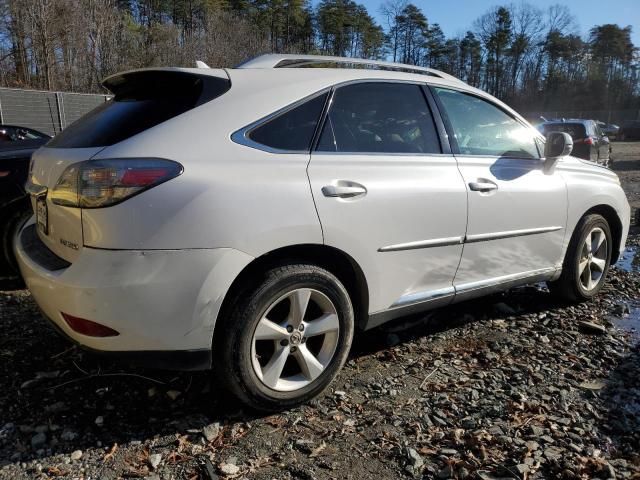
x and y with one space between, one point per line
609 129
588 140
630 130
16 146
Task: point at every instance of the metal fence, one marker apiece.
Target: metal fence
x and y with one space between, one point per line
607 116
48 112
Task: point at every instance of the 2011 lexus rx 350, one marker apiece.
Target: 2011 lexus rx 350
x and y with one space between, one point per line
253 218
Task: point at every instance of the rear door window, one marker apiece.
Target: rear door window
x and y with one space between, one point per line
142 100
293 129
376 117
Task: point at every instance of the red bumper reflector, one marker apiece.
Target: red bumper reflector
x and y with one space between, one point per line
87 327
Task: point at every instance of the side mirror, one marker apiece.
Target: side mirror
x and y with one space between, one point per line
559 144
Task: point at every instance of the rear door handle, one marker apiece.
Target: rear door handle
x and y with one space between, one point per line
344 190
482 186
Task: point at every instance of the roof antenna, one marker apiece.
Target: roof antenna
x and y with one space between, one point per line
201 64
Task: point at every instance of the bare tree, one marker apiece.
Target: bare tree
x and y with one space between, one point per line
528 32
41 17
392 10
560 19
515 51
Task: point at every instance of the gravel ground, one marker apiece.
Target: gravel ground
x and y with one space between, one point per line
510 386
625 156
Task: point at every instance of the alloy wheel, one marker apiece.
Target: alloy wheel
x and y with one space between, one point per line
295 340
593 259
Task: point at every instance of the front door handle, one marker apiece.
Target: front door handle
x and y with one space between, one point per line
482 186
344 190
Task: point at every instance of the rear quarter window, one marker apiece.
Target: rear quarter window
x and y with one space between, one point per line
293 129
141 100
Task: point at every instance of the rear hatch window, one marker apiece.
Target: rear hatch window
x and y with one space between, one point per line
576 130
142 100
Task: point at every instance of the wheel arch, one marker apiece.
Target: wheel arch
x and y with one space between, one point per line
332 259
11 206
9 211
615 224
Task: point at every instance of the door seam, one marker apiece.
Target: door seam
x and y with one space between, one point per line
313 199
466 228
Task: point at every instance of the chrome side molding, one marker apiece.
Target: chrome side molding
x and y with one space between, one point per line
436 242
483 237
496 281
480 237
412 303
427 300
420 297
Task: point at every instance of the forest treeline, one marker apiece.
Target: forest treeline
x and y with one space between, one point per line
530 57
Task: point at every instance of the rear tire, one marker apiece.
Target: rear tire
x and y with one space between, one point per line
261 350
586 262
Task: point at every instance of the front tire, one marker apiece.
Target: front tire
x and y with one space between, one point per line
286 338
587 260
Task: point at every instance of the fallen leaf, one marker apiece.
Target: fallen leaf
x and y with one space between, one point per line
276 421
112 451
316 451
173 394
594 385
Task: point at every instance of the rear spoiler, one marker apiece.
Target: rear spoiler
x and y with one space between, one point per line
151 82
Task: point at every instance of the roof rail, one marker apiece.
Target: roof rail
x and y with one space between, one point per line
271 60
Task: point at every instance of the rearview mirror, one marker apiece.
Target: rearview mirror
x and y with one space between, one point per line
559 144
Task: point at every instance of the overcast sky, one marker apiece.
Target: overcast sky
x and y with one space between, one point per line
457 16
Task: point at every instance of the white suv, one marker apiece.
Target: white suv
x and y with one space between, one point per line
253 218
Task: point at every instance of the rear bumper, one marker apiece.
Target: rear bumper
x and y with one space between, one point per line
181 360
163 303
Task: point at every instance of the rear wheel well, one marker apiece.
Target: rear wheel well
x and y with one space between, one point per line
11 216
15 205
615 225
335 261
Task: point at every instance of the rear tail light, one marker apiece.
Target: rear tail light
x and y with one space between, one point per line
87 327
102 183
586 141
